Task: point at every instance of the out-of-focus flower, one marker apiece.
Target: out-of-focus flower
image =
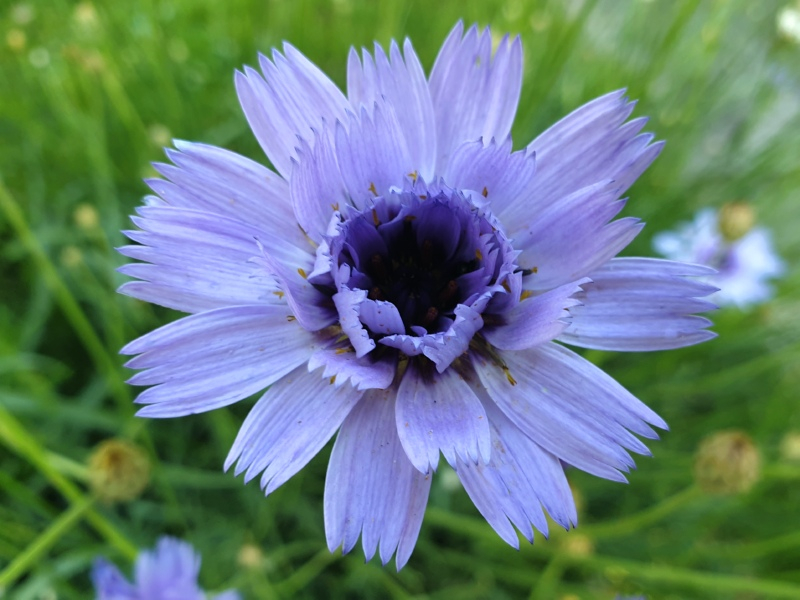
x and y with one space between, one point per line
789 23
86 217
118 471
16 39
727 462
159 134
22 14
373 284
743 256
169 572
790 446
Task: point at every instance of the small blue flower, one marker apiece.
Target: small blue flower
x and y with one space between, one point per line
744 265
403 279
167 573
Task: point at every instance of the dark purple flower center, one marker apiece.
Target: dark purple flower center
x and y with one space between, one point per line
415 266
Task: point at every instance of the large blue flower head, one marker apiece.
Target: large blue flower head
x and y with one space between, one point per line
406 279
169 572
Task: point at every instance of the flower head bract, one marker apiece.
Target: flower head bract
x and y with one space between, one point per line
408 280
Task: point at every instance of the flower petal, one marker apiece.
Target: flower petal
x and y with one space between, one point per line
222 182
492 172
317 188
535 320
199 260
348 304
215 358
372 153
363 373
474 94
401 83
371 487
312 309
289 424
292 98
517 481
170 570
639 304
109 582
444 348
573 236
439 411
589 145
569 407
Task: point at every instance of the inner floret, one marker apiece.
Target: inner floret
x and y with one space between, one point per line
414 266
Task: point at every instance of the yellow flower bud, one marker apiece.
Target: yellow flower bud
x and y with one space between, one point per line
118 471
727 462
735 220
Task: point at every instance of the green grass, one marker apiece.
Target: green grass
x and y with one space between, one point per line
91 92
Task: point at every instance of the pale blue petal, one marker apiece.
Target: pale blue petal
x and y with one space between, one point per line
372 153
439 412
639 304
520 478
589 145
474 94
286 428
222 182
215 358
292 98
491 173
572 237
110 584
535 320
569 407
400 81
199 260
372 488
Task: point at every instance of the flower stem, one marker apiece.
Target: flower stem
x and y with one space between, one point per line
72 310
36 550
305 574
721 583
14 435
633 523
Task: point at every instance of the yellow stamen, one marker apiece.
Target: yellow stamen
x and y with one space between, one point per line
485 192
302 273
373 189
511 380
525 294
478 254
279 294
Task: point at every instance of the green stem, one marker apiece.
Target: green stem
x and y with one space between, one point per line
636 522
72 310
14 435
304 575
721 583
37 549
548 581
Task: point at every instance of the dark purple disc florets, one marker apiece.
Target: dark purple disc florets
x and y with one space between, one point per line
416 271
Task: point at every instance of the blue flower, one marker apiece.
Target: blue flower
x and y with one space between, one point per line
167 573
401 279
744 265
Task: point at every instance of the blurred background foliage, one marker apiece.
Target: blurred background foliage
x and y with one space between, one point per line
92 90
